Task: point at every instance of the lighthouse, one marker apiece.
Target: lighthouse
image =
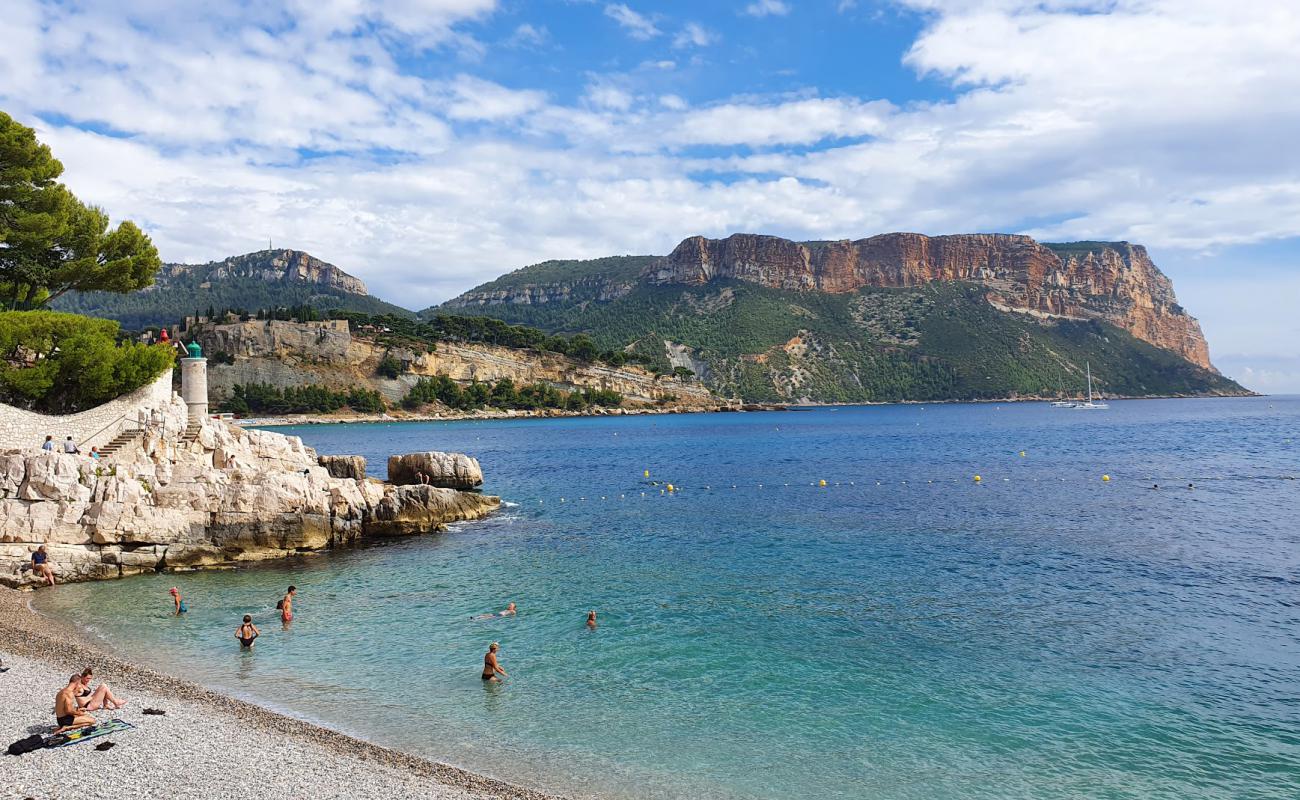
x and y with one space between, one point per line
194 383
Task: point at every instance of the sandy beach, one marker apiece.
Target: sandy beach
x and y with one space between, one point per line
206 745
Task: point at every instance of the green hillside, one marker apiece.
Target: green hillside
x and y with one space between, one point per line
940 341
171 300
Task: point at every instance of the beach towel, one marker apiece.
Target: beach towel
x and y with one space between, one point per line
86 734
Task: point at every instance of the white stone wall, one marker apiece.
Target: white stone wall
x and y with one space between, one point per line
95 426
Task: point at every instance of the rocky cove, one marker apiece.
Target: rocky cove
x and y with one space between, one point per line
182 494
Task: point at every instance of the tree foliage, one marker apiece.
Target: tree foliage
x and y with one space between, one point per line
50 242
504 394
261 398
62 363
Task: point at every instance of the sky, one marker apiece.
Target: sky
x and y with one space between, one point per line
427 146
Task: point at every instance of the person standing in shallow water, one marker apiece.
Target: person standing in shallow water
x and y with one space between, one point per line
181 608
247 632
591 620
285 606
491 669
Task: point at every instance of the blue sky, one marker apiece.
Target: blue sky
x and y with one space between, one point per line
429 145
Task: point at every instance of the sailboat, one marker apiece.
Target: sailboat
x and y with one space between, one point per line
1090 405
1060 387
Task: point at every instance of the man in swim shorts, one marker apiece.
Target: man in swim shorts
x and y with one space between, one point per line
491 669
286 604
66 711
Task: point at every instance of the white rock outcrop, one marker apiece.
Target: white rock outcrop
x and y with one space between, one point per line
222 495
447 470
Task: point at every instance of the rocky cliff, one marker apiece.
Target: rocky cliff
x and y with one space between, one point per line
216 495
294 354
1114 282
272 266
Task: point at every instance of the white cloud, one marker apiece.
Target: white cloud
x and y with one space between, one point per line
528 34
636 25
1160 121
693 34
475 99
793 122
766 8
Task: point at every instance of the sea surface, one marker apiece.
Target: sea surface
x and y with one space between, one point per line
902 632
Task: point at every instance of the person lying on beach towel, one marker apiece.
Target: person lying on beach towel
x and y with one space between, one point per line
67 713
102 697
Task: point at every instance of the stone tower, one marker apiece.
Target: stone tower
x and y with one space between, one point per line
194 383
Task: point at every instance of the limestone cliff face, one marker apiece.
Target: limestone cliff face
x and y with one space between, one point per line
220 495
599 289
273 266
294 354
1114 282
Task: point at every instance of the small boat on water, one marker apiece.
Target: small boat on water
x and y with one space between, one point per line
1089 404
1060 390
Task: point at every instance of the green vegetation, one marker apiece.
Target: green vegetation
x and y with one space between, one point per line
50 242
935 342
62 363
403 332
504 394
1082 249
177 295
260 398
587 276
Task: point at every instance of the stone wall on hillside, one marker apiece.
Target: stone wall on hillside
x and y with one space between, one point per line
21 429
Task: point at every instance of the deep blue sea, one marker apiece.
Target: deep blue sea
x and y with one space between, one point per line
902 632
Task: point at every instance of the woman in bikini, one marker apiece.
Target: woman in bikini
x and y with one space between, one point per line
246 633
490 666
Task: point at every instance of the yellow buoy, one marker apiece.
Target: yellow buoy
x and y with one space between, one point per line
645 474
671 488
978 479
821 482
1105 477
1022 453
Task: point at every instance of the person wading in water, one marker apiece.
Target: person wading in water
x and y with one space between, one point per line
490 666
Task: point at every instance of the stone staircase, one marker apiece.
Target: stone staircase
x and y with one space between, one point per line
191 432
121 440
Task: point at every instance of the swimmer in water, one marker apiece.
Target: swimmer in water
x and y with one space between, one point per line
181 608
591 619
285 606
508 612
491 669
247 633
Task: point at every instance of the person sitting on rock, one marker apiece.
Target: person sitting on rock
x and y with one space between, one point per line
70 447
41 566
93 700
67 712
49 444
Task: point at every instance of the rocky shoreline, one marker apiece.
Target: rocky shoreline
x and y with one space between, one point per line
260 752
495 414
175 495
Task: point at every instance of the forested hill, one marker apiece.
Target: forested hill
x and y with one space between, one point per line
265 279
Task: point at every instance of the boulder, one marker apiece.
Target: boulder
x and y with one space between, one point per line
406 510
348 467
444 470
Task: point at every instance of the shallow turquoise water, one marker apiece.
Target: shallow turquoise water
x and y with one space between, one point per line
901 633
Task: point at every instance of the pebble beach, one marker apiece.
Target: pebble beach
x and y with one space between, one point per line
206 745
